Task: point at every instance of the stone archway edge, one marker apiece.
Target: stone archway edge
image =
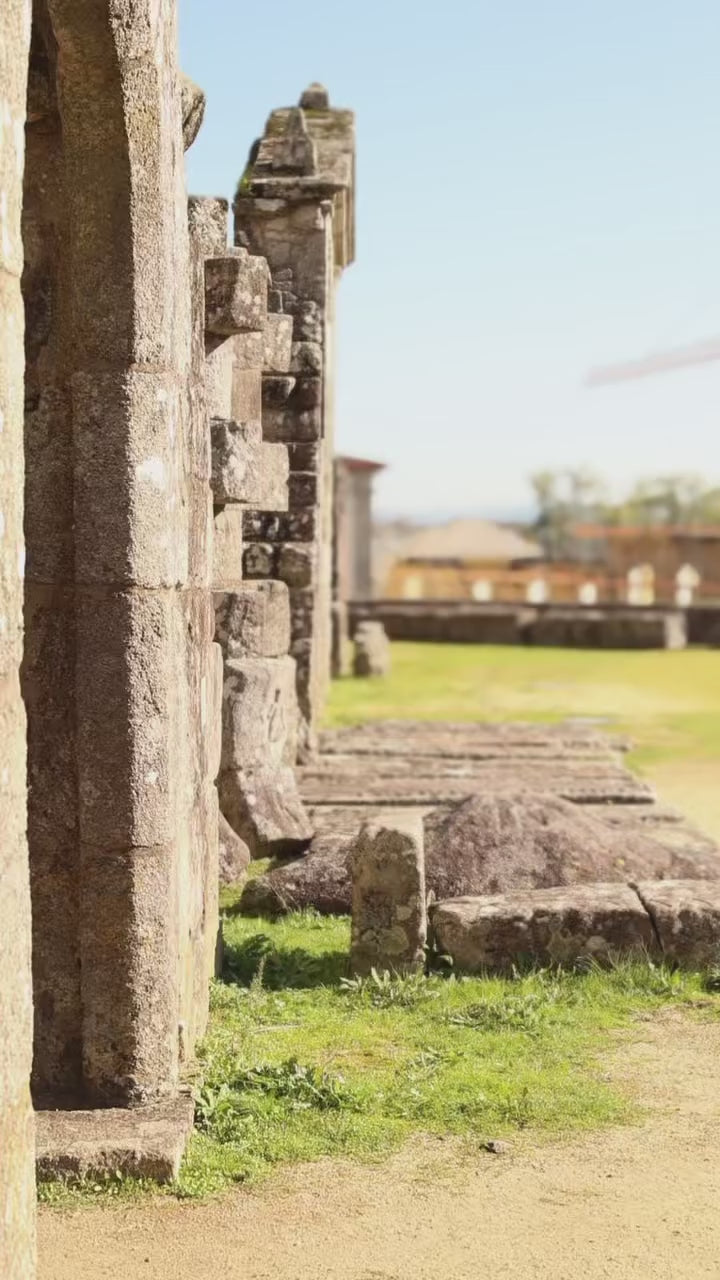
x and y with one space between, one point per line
677 921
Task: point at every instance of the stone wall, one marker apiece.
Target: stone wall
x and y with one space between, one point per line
295 207
462 622
258 795
119 676
17 1186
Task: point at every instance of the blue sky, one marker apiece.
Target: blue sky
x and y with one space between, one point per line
538 192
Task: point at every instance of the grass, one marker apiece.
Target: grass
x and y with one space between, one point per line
302 1063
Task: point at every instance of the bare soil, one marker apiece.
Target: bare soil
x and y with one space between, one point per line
629 1203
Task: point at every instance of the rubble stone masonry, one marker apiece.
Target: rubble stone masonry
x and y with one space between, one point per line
295 206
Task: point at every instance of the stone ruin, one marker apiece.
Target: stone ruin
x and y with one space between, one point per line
166 583
165 507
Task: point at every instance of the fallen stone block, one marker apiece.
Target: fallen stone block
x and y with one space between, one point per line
138 1142
264 808
320 877
686 918
521 839
542 926
389 923
372 650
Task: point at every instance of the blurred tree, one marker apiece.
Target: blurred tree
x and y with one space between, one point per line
579 496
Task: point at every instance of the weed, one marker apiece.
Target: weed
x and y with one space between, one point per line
526 1013
383 990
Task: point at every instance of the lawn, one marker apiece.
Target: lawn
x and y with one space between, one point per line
668 703
301 1063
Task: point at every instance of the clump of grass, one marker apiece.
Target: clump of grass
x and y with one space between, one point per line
385 990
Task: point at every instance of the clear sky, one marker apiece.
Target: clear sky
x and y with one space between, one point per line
538 192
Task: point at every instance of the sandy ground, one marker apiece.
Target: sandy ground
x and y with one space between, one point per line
638 1202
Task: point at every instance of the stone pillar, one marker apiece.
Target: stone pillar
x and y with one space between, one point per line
295 206
119 669
352 549
17 1145
258 793
353 527
389 919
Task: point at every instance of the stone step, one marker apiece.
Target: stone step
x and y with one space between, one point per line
139 1142
423 781
398 737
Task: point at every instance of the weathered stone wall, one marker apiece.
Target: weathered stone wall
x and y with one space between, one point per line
258 794
295 207
17 1184
119 674
462 622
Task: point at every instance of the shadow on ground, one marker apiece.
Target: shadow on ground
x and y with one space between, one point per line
257 958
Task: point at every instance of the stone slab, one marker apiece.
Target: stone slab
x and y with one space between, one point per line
446 738
139 1142
424 781
686 918
543 926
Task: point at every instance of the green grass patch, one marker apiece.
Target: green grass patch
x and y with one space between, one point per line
302 1062
668 701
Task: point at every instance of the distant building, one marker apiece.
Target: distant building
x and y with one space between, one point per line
464 559
691 551
482 561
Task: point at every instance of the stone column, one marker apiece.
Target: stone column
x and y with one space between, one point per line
119 671
352 547
295 206
17 1146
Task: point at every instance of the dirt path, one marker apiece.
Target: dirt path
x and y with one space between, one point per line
628 1204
